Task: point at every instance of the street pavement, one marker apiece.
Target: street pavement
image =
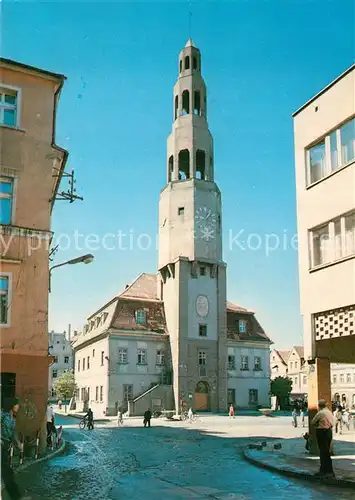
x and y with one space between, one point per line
200 461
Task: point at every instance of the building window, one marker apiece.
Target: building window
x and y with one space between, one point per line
102 357
296 380
202 271
6 199
242 326
202 330
333 241
66 359
231 362
4 298
334 379
187 62
291 365
101 393
295 365
83 364
347 139
97 394
181 211
257 364
83 394
93 353
88 362
341 146
122 356
127 392
342 378
141 357
245 363
202 358
348 378
141 317
253 396
54 373
8 107
160 357
304 379
78 365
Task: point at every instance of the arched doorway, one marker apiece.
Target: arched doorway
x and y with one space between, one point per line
336 398
202 399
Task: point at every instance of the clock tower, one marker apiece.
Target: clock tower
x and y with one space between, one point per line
192 274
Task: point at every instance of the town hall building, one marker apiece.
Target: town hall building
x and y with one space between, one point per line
171 338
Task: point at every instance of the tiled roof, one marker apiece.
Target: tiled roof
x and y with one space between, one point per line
144 287
237 308
284 355
300 350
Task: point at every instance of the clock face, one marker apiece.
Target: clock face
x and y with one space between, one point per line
206 223
202 305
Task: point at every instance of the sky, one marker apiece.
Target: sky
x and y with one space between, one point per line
261 60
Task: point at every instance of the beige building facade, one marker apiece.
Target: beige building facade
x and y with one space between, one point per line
324 131
31 165
61 350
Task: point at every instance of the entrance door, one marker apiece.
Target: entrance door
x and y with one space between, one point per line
202 402
231 397
8 386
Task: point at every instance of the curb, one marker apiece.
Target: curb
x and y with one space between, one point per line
58 451
293 472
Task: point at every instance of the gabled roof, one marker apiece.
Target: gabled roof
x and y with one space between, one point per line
284 355
300 350
144 287
237 308
26 67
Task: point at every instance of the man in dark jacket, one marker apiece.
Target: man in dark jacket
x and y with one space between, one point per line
147 418
8 439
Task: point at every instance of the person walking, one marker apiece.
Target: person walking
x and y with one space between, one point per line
323 422
338 417
190 415
90 417
147 418
119 418
294 417
50 424
302 417
8 439
231 411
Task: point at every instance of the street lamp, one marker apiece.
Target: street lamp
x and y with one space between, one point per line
86 259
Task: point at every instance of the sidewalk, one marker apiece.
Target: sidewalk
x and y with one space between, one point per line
293 460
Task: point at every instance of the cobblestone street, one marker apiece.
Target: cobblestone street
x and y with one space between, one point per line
161 462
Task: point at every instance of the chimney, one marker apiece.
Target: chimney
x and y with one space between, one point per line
69 332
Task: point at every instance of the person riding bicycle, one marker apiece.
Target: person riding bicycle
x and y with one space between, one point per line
90 418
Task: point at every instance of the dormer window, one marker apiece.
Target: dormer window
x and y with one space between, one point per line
242 326
141 317
98 321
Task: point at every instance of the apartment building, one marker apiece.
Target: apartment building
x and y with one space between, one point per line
61 350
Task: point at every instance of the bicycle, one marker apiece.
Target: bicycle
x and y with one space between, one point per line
84 424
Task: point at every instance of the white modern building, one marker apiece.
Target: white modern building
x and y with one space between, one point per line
60 347
174 331
324 131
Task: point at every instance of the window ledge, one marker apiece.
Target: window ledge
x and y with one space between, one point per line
329 264
17 129
122 362
309 186
244 369
142 364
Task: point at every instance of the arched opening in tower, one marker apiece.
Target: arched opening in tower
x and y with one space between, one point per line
205 101
197 102
200 164
171 168
184 164
194 62
185 102
180 65
176 107
187 62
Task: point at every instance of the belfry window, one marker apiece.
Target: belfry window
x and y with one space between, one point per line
180 65
194 62
176 107
187 62
200 164
185 102
184 164
171 168
197 102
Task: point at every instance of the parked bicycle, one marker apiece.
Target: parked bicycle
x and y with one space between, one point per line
84 424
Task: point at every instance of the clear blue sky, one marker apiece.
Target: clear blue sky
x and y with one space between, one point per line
261 61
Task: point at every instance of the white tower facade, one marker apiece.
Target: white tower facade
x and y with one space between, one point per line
192 273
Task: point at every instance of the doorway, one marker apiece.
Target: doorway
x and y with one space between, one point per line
202 400
8 386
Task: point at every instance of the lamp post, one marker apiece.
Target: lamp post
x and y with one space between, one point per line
86 259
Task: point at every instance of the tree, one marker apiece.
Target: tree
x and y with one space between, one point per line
65 385
281 387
